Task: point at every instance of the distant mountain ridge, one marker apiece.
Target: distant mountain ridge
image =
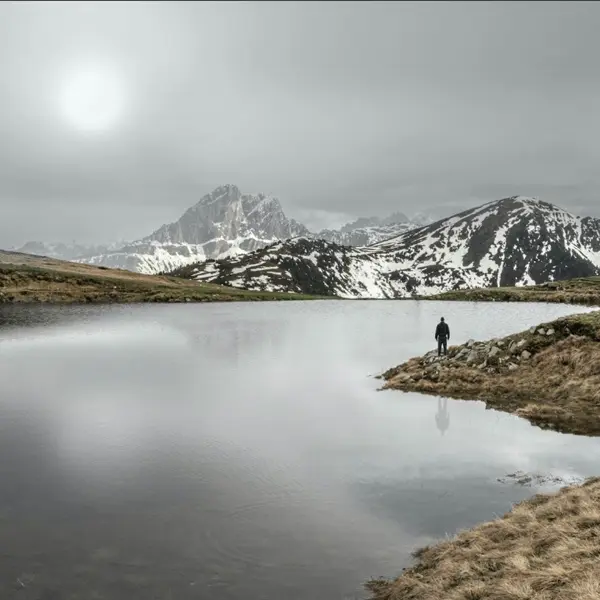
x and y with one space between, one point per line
222 224
67 251
513 241
366 231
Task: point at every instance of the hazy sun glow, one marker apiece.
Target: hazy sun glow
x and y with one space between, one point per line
92 100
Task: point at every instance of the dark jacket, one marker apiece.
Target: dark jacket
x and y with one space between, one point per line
442 331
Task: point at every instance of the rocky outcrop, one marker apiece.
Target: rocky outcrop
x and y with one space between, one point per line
548 374
492 357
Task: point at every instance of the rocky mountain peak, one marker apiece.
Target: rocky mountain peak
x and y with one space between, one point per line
224 193
228 214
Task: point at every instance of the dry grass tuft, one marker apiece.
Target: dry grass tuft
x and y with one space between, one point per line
546 548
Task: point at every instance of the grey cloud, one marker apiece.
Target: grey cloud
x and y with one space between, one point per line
350 108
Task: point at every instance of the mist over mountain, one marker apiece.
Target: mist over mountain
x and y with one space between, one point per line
222 224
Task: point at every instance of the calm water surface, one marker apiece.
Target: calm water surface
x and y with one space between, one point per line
241 451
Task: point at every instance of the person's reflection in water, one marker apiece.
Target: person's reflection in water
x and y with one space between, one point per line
442 417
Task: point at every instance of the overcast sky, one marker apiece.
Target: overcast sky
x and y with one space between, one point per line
339 109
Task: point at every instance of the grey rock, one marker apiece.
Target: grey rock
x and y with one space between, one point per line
494 352
541 331
462 354
512 367
473 357
532 330
550 332
525 355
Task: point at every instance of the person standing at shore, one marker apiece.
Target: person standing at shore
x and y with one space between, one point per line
442 335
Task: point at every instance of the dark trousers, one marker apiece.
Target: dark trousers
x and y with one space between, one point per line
442 343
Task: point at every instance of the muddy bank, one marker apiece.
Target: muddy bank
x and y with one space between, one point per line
549 374
546 548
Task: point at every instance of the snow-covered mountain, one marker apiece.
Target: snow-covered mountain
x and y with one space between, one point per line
514 241
223 224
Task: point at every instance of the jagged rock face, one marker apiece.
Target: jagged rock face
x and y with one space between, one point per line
514 241
228 214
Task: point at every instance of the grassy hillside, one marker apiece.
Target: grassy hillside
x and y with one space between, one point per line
584 290
29 278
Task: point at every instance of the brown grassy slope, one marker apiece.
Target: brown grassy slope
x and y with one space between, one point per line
583 290
557 387
28 278
546 548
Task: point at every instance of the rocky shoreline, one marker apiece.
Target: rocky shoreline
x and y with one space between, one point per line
493 356
548 374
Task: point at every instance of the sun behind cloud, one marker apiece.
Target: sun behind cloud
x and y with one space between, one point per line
92 99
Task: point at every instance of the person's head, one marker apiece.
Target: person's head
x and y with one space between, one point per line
442 320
